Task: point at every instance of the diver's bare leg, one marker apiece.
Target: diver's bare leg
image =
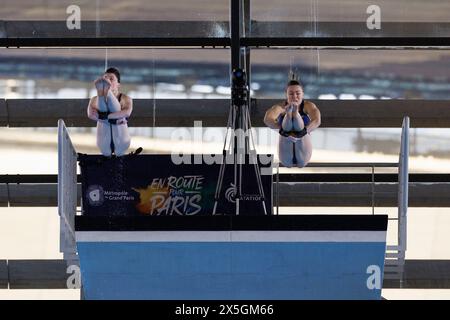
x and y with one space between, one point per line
104 137
121 138
297 121
303 151
286 124
285 151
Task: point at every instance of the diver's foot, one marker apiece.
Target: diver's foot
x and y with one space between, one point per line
102 85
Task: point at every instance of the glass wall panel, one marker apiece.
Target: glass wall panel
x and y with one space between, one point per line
354 74
114 18
362 74
146 73
130 10
350 18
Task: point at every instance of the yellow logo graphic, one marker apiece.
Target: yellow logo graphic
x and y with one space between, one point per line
151 199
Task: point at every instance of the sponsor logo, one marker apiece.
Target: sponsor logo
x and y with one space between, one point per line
231 196
95 195
180 195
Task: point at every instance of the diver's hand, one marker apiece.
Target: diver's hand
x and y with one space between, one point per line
293 139
93 114
105 78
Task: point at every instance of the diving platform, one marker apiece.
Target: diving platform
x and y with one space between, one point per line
146 232
232 257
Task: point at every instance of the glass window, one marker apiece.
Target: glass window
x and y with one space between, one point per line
352 18
146 73
105 10
69 74
134 18
354 74
362 74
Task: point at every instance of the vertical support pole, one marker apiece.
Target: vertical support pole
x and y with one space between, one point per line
246 27
236 32
373 190
235 23
403 184
67 194
277 188
245 56
61 198
60 167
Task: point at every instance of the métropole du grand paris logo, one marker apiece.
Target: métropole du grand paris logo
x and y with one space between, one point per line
95 195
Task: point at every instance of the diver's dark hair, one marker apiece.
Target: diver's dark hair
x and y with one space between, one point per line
294 83
115 71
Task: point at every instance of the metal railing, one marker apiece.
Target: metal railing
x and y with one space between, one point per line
67 194
395 254
371 165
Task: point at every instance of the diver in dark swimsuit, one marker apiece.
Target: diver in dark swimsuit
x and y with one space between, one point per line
294 120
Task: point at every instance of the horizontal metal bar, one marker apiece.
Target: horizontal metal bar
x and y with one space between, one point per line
393 268
30 178
4 278
391 277
361 42
397 248
114 29
216 33
4 195
353 164
358 177
214 113
346 29
423 274
37 274
396 256
114 42
284 177
4 119
290 195
399 254
389 268
115 34
51 274
392 255
360 194
394 263
35 195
